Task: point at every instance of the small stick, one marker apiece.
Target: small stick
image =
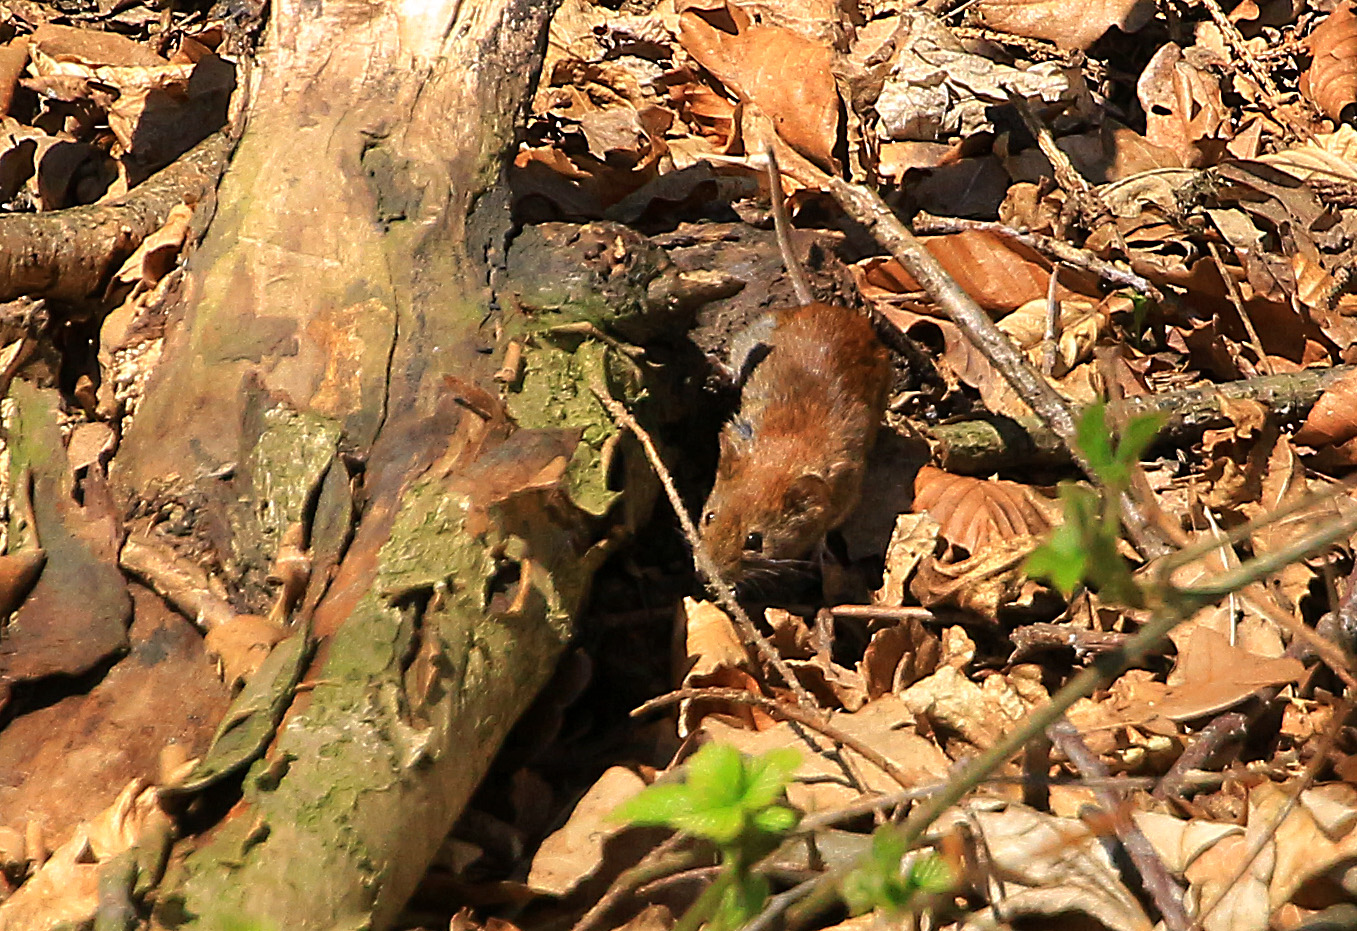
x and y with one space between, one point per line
866 207
1237 300
782 226
784 712
1050 350
718 586
1166 893
1048 246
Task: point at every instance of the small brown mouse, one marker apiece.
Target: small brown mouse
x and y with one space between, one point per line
792 458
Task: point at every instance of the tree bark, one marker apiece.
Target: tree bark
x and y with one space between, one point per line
331 374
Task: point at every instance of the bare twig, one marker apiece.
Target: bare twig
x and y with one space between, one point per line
1177 605
1229 726
1266 836
984 446
1049 246
1163 889
782 226
719 587
867 208
1272 96
785 712
1237 301
1050 350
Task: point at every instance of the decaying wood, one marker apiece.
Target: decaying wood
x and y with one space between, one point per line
980 447
71 254
337 337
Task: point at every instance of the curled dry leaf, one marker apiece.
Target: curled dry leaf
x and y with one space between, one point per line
1081 323
975 515
898 656
978 714
1333 419
572 853
1331 79
157 254
1066 23
714 656
1183 108
786 75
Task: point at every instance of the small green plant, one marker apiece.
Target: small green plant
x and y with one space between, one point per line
739 804
1083 550
882 882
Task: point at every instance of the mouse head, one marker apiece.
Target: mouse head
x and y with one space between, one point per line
763 521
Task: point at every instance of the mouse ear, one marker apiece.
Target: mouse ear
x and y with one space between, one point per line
807 495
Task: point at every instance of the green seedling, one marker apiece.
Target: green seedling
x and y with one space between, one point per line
737 803
1083 549
881 882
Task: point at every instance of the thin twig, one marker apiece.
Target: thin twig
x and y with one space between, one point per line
1237 301
866 207
1162 887
1056 249
1272 96
1232 725
718 586
782 227
1268 835
1177 605
664 860
1050 349
785 712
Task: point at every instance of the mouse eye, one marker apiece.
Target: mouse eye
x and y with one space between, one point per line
754 542
708 518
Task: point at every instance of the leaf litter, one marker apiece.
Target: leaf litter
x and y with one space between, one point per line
1199 173
1205 241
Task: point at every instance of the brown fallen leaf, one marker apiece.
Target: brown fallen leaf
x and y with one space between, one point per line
998 273
1211 676
786 75
572 853
1069 25
915 536
1331 79
974 514
1081 323
1333 419
898 656
1183 108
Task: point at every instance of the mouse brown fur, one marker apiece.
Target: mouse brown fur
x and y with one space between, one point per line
791 459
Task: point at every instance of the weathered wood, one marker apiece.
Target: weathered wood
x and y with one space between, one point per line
979 447
337 313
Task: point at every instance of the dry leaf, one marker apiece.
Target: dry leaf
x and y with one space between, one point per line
1333 419
898 656
1081 323
1053 869
242 644
1331 79
1325 156
572 853
885 725
1074 26
786 75
1183 109
915 536
975 515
